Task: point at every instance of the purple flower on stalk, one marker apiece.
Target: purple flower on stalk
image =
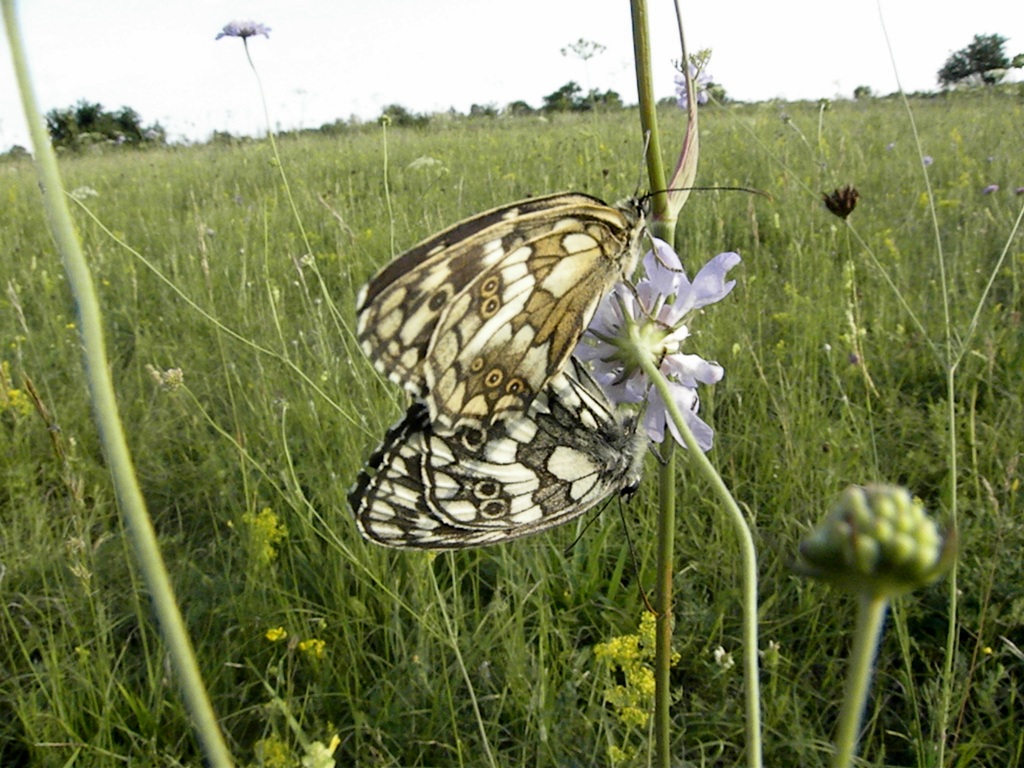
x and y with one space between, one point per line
244 29
990 189
927 160
701 81
1019 191
658 307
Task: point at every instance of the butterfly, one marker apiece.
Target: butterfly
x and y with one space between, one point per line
477 319
431 488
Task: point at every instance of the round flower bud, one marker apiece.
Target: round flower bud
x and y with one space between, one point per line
877 539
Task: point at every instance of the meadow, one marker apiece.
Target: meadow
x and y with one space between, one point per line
837 347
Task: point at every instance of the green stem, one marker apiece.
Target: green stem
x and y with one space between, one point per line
648 110
871 610
663 605
664 228
748 554
108 422
952 631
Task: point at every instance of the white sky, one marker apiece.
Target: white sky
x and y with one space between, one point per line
328 60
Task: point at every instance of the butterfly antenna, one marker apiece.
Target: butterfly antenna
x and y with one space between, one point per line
636 562
586 526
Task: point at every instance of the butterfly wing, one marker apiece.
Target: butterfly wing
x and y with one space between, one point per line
430 488
478 318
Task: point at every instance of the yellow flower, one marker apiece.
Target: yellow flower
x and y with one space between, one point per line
15 401
265 533
276 634
273 752
313 648
633 654
320 756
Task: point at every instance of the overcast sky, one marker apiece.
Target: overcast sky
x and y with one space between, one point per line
330 60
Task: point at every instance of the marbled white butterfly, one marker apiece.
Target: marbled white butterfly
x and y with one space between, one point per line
477 319
431 488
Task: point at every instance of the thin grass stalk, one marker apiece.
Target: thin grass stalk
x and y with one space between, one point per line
108 423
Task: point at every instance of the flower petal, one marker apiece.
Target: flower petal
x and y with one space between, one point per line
707 287
691 370
687 401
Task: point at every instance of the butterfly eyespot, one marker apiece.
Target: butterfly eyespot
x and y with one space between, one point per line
490 287
494 378
477 365
494 508
516 387
472 439
490 307
486 489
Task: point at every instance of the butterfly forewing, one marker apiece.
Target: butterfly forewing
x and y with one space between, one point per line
431 488
478 318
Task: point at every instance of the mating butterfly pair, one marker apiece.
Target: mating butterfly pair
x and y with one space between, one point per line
509 434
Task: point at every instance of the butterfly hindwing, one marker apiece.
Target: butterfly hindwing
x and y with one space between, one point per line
477 319
432 488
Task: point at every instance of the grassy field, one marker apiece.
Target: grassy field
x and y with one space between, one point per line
836 344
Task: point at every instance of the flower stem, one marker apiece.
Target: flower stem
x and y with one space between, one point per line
648 110
108 422
663 605
871 608
748 555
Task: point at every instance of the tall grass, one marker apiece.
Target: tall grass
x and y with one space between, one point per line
443 661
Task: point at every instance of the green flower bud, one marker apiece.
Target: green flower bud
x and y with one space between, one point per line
877 539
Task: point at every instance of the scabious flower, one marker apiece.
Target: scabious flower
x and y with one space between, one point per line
658 307
990 189
701 81
244 29
927 160
841 202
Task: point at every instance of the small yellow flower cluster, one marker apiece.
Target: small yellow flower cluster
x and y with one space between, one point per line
273 752
632 654
13 400
265 533
313 648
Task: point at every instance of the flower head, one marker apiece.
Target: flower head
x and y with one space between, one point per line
701 81
651 319
927 160
244 29
877 539
990 189
842 201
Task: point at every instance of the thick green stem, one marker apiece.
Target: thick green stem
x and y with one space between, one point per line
648 111
871 610
108 422
748 555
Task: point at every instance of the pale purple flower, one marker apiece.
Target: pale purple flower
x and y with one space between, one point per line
701 81
927 160
659 306
244 29
1019 191
890 146
990 189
